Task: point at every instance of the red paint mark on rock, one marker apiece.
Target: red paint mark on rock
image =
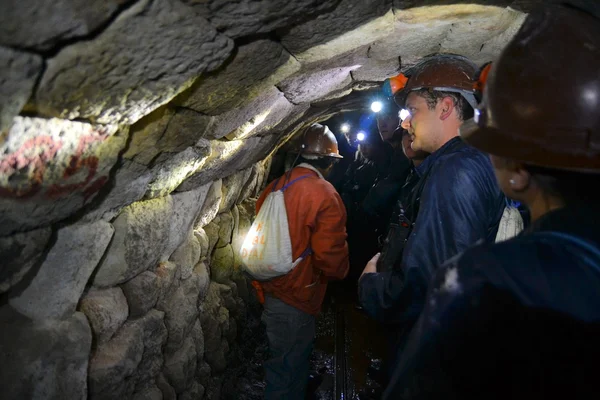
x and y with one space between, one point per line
34 154
37 152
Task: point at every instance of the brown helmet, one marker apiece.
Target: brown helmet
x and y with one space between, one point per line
318 140
441 72
541 102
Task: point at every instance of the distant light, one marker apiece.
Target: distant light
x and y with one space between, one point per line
376 106
345 128
360 136
403 114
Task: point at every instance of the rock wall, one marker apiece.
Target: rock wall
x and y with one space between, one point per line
146 306
134 135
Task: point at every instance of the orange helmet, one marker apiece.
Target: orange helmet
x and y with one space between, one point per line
441 72
318 140
541 102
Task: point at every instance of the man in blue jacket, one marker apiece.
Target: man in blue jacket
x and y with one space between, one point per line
457 201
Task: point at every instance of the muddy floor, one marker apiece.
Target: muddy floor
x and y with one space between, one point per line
363 344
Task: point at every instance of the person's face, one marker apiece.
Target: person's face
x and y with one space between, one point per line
423 124
408 151
351 139
366 149
387 124
327 171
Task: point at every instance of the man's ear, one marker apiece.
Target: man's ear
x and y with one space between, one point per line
520 178
446 105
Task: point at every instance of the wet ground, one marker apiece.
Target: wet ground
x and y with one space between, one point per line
341 325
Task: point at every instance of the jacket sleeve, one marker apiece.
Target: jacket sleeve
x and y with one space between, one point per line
328 239
454 212
391 296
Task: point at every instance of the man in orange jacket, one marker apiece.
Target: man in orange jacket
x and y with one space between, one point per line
317 224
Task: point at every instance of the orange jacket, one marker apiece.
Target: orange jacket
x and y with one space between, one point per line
316 217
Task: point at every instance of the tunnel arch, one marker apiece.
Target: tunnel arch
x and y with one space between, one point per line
134 136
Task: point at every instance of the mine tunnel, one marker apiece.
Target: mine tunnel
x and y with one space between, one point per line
136 139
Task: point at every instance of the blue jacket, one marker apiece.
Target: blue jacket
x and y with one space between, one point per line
517 319
460 204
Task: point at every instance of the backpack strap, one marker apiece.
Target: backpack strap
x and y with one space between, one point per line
294 181
274 188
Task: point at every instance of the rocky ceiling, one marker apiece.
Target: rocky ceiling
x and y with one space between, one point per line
106 102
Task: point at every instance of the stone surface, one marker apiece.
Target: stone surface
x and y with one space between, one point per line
231 156
258 117
50 168
232 186
138 242
212 320
255 67
167 390
249 187
186 127
44 359
350 25
168 274
172 169
475 31
128 186
203 371
212 232
202 238
19 253
211 205
154 337
186 209
146 135
151 393
44 24
180 313
56 288
243 17
226 225
187 255
107 310
18 74
141 293
198 337
374 70
181 366
144 74
113 366
221 265
308 87
202 277
196 391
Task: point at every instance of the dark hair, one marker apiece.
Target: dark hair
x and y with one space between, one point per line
321 162
463 108
576 189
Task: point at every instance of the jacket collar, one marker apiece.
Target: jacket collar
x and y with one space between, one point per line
308 166
581 221
450 146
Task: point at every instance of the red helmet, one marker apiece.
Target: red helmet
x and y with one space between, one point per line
441 72
541 102
318 140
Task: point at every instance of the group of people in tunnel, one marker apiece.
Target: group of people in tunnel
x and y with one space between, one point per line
466 315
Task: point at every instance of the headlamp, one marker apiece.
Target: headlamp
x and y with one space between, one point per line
403 114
